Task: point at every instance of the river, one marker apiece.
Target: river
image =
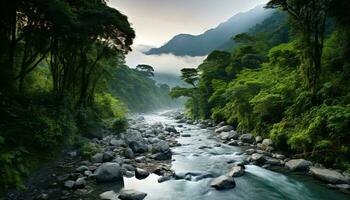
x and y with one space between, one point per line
257 183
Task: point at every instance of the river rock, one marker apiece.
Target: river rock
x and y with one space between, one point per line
226 128
132 195
80 182
298 165
82 168
97 158
257 157
109 195
228 135
329 176
163 179
221 124
223 182
247 138
162 155
139 146
69 184
108 172
171 129
141 173
128 153
236 171
160 146
258 139
116 143
267 142
108 156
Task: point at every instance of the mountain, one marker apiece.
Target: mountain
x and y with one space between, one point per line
216 38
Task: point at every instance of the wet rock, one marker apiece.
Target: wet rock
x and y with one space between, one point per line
108 172
329 176
247 138
223 182
233 143
236 171
226 128
185 135
109 195
162 156
272 161
141 173
132 195
298 165
163 179
250 151
69 184
257 157
97 158
171 129
228 135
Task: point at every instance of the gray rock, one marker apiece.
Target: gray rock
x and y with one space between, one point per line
108 172
223 182
163 179
258 139
108 156
228 135
257 157
141 173
69 184
132 195
139 146
117 143
160 146
80 183
162 156
128 153
140 159
272 161
236 171
109 195
247 138
298 165
329 176
226 128
267 142
171 129
97 158
82 168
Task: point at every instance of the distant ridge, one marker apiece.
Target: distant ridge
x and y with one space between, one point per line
216 38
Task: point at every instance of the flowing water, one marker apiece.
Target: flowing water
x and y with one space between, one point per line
256 184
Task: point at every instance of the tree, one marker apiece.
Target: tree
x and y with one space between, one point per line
309 20
190 76
145 69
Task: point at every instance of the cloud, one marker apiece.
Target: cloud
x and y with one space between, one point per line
165 63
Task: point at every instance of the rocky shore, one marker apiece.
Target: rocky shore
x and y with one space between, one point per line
145 148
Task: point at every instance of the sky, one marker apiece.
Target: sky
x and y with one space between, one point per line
157 21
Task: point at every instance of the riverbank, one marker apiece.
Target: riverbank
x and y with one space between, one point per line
171 157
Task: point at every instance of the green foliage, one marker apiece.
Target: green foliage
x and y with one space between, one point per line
89 149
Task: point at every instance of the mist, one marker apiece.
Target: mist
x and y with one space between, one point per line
164 63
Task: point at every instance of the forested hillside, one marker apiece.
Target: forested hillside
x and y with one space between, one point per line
287 79
62 76
216 38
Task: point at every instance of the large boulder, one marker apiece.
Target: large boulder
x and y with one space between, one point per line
226 128
141 173
247 138
108 172
160 146
162 155
329 176
236 171
298 164
132 195
267 142
228 135
223 182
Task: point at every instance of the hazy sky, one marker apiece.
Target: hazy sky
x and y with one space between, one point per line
157 21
